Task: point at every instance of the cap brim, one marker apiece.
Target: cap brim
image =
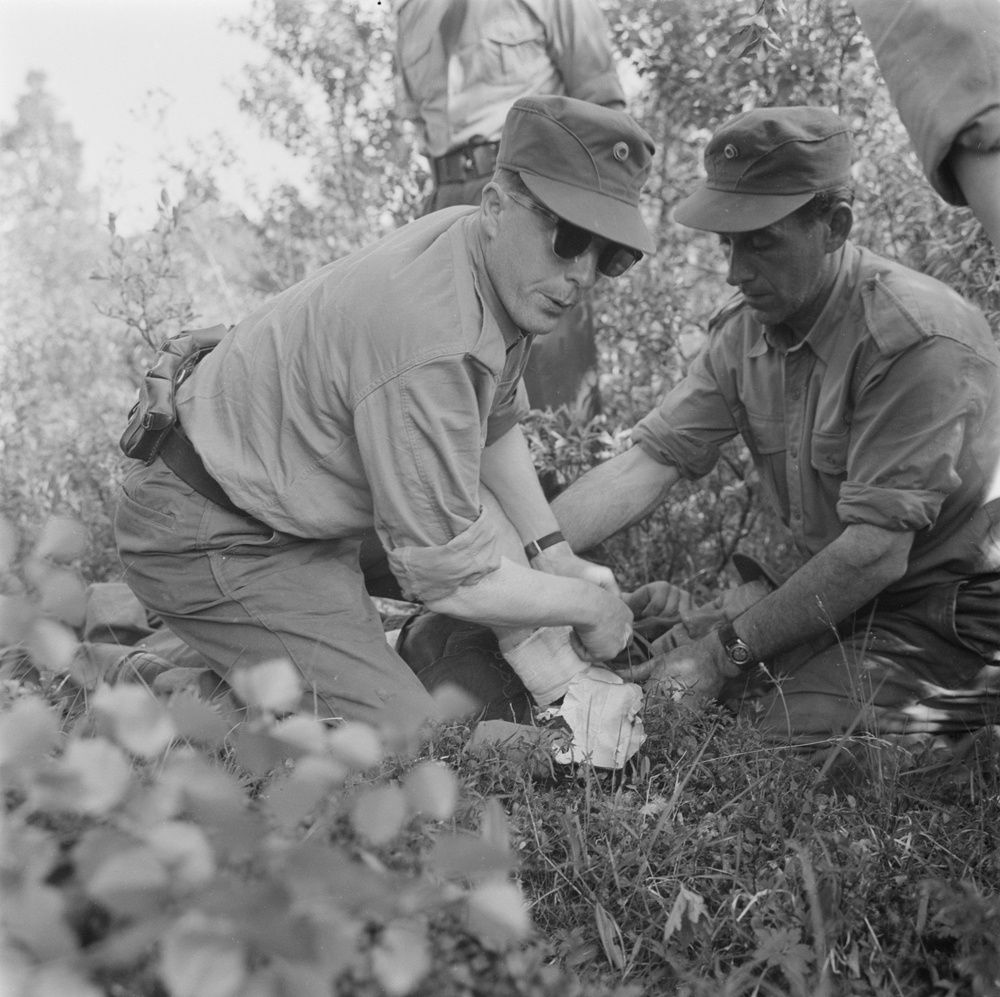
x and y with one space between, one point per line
724 211
605 216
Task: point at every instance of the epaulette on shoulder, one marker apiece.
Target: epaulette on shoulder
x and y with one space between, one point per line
901 310
725 313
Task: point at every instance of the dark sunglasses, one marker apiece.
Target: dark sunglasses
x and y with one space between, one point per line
569 242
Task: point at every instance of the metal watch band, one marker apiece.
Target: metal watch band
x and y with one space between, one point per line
535 548
737 649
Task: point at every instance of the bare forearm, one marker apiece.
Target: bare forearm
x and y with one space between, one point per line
829 587
506 469
611 497
978 174
516 596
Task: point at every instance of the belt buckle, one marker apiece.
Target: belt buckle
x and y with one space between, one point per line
469 163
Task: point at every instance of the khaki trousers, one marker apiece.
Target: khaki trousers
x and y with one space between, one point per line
241 593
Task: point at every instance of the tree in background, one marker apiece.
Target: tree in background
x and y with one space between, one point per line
41 157
325 93
62 401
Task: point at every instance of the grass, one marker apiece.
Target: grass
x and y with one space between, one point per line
716 864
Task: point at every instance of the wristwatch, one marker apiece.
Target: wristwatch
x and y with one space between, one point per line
737 650
535 548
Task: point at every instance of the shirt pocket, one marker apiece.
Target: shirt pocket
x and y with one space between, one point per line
511 51
829 452
764 435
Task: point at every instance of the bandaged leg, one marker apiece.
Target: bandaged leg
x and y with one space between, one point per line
601 709
545 662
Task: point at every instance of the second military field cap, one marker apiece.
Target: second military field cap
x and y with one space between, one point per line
584 162
764 164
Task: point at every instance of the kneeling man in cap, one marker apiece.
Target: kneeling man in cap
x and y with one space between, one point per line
868 395
383 394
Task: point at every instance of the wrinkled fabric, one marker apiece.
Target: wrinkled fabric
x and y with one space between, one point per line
507 49
239 593
887 413
362 397
929 667
941 62
889 673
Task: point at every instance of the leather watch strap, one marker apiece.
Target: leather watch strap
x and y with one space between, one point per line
535 548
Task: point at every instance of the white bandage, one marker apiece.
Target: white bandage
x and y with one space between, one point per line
546 662
602 710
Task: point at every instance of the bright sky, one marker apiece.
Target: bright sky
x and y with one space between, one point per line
113 65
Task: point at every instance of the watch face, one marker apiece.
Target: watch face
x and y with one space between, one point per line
739 653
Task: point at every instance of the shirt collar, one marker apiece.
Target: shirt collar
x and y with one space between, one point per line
821 337
491 300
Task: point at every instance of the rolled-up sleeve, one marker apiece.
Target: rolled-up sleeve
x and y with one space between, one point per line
420 435
907 434
941 62
580 48
428 573
688 426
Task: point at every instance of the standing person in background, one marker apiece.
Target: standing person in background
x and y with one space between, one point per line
941 62
461 64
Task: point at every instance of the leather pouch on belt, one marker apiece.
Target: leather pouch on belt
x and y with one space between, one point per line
152 417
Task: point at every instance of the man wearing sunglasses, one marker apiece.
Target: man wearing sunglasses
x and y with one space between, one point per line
383 393
869 398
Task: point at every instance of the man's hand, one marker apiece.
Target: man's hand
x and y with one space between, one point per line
608 634
659 599
559 559
692 674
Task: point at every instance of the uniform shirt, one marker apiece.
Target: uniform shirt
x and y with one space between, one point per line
506 49
364 395
941 62
886 413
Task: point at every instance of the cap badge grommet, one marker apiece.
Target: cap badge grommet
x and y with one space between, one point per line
621 151
730 151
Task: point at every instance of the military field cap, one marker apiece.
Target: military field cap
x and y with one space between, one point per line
764 164
584 162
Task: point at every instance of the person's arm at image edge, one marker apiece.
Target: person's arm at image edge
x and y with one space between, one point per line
978 174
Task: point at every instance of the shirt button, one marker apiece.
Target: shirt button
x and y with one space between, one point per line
794 452
796 395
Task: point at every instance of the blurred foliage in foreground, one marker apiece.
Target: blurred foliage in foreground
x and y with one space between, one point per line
163 843
187 841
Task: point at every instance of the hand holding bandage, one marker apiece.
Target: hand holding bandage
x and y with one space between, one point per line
666 619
